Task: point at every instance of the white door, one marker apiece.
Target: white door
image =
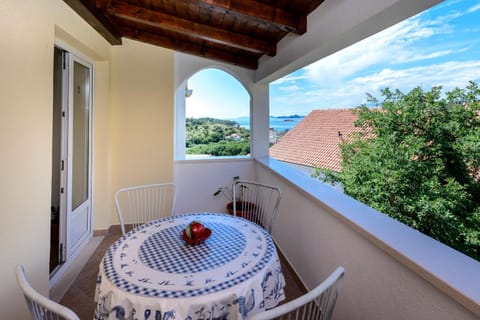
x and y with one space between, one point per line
79 185
75 176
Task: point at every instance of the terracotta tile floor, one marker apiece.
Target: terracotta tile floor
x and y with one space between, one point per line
80 296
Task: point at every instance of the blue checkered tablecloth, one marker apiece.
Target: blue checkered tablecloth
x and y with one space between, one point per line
234 273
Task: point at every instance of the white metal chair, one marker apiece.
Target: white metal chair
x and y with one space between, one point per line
40 306
140 204
256 202
317 304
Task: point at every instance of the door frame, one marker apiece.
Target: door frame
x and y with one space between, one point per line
59 273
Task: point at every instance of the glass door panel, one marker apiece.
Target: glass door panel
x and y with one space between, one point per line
80 151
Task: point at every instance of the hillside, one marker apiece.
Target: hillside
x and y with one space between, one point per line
216 137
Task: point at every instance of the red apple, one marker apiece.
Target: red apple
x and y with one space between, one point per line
197 229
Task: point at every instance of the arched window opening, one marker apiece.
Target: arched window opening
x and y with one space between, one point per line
217 116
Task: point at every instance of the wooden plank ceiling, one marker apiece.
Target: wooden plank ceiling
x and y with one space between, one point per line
233 31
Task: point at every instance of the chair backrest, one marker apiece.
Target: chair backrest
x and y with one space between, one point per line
140 204
40 306
256 202
316 304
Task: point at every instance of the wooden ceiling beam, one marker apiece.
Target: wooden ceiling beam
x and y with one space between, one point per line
88 11
160 20
245 60
285 20
238 32
314 4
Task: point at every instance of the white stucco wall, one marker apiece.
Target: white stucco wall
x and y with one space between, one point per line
26 66
391 270
197 181
142 109
138 81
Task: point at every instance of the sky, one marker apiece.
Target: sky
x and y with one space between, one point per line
438 47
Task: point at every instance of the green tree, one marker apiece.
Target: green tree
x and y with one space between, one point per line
417 159
210 136
222 148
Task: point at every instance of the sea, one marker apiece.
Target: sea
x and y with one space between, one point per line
279 124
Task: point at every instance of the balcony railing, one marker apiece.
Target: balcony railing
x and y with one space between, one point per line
392 271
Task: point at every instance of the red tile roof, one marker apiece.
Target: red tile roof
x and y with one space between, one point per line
314 142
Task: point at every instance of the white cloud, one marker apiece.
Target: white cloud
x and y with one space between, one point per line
291 78
390 47
288 88
432 55
401 57
352 93
474 8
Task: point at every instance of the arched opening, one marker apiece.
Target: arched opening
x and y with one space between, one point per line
213 116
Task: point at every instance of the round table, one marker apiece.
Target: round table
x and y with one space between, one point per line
151 273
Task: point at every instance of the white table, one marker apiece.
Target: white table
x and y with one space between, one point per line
151 273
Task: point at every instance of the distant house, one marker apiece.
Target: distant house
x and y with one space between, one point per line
234 137
272 136
314 142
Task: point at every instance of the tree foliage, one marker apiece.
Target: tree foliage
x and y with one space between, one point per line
222 148
417 159
216 137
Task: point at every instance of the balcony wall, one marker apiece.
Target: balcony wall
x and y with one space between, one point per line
392 271
197 181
